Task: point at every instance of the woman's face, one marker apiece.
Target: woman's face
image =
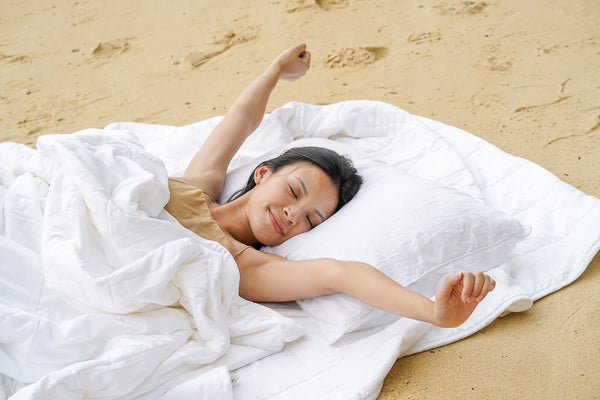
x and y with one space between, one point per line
290 201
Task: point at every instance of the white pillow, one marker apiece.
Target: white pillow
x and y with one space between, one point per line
414 230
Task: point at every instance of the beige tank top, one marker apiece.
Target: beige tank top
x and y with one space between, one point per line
189 205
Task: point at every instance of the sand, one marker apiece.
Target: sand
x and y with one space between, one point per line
523 75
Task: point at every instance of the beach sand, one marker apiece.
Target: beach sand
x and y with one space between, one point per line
523 75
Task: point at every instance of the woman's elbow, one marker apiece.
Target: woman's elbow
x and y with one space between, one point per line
333 276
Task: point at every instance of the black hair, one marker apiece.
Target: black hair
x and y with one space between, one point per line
339 168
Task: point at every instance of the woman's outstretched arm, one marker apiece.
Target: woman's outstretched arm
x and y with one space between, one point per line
208 167
265 277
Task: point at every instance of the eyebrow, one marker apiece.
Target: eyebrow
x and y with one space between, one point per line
305 190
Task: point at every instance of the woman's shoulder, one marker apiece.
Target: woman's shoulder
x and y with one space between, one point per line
193 208
189 185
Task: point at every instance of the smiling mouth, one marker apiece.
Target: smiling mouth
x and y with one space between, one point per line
276 224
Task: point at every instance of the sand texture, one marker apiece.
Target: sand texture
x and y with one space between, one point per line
523 75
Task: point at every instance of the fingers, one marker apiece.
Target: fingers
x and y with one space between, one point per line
447 286
476 286
300 48
293 63
305 56
302 53
297 51
488 285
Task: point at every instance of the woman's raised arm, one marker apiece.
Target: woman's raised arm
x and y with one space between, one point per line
208 167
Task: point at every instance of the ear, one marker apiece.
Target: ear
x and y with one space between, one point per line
261 173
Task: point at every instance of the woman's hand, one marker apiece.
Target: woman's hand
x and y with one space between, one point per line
458 296
293 63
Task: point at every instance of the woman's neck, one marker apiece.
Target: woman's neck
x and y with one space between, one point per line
232 218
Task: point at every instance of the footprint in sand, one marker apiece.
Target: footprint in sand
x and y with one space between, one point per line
110 49
426 37
353 57
221 43
104 51
494 63
298 5
15 58
552 49
35 120
461 7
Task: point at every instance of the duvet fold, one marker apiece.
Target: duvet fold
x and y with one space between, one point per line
105 295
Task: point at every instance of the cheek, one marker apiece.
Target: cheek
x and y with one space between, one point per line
297 231
260 232
269 192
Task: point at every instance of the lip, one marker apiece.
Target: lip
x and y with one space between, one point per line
276 223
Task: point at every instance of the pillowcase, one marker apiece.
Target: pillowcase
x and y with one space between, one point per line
414 230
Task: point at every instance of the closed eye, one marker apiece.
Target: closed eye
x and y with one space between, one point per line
293 193
309 223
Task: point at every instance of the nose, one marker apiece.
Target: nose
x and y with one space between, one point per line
290 215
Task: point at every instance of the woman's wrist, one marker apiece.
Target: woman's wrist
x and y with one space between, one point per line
275 69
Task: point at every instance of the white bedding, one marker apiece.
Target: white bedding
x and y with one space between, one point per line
92 268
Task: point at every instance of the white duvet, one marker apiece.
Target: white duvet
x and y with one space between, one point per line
104 295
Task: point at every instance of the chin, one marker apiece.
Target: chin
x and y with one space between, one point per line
271 243
266 240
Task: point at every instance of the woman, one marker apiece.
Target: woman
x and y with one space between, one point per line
287 196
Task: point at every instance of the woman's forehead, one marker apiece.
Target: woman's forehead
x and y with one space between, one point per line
306 172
